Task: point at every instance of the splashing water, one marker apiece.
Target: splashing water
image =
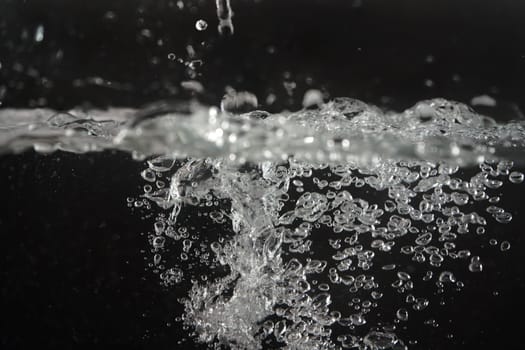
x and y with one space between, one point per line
341 131
272 183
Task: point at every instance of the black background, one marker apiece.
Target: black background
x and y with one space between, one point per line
72 261
376 52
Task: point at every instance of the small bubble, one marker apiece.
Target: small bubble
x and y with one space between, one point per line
388 267
110 16
516 177
447 277
39 34
429 83
159 227
148 175
403 276
201 25
172 56
475 264
402 314
505 245
158 242
503 217
146 33
156 259
480 230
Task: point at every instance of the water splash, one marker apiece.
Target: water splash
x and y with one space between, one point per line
279 187
340 131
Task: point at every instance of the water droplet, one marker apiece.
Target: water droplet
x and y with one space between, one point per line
312 98
238 102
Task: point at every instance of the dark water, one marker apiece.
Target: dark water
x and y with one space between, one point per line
73 260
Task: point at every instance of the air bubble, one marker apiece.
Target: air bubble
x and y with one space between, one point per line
402 314
475 264
516 177
447 277
148 175
503 217
39 34
505 245
201 25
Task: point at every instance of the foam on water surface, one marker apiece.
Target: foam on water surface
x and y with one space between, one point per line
343 130
271 183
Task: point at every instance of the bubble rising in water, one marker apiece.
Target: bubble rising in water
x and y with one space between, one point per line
516 177
201 25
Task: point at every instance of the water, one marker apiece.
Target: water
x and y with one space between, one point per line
342 130
334 225
270 183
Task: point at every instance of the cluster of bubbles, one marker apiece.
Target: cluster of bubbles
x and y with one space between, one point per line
268 290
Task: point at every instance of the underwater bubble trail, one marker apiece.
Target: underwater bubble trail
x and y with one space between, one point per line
256 254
